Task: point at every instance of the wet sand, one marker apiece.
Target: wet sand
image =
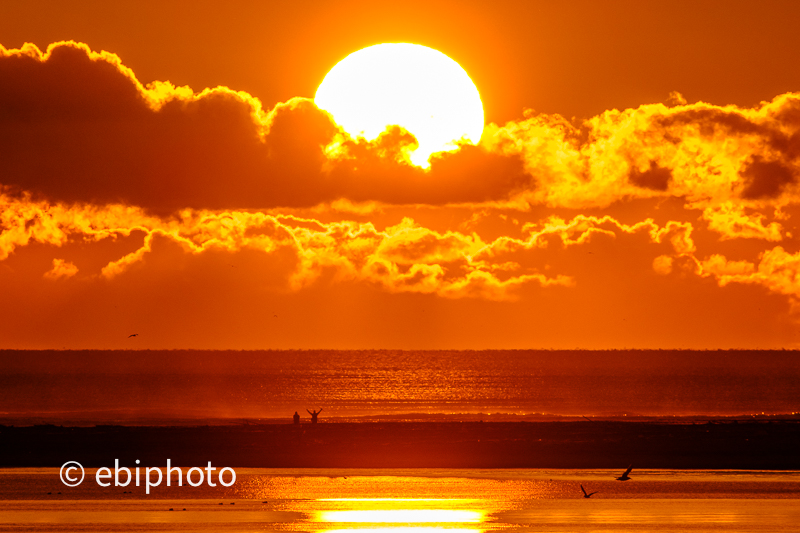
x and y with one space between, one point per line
752 445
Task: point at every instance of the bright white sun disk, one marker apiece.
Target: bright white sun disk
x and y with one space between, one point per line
409 85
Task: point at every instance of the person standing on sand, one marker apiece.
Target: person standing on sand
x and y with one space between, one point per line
314 415
296 418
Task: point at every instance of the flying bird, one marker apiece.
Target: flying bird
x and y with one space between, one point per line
587 495
133 335
624 476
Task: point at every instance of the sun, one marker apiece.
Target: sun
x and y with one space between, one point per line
408 85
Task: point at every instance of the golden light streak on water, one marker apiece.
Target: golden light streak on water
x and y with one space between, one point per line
403 516
389 499
404 530
418 501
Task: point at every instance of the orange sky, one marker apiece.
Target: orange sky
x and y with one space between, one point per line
164 174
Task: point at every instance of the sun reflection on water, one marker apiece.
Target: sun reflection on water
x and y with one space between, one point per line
400 515
403 530
403 516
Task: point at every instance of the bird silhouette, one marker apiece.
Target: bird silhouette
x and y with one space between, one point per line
624 476
587 495
133 335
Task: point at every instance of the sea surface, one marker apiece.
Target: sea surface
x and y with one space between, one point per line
89 387
411 501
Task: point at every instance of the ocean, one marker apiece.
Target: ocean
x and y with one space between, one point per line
412 501
237 387
152 387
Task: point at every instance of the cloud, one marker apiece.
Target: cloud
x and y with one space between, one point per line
212 263
77 126
662 196
61 269
663 264
704 153
405 257
378 171
777 270
765 179
733 222
655 177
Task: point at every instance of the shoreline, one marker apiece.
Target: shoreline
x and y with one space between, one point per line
62 420
746 445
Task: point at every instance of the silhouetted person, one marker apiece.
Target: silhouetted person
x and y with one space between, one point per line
296 418
314 415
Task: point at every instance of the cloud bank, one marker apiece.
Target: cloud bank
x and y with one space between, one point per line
106 177
77 126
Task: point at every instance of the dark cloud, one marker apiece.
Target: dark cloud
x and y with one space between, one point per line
789 112
375 172
70 85
77 126
712 120
765 179
655 178
773 131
